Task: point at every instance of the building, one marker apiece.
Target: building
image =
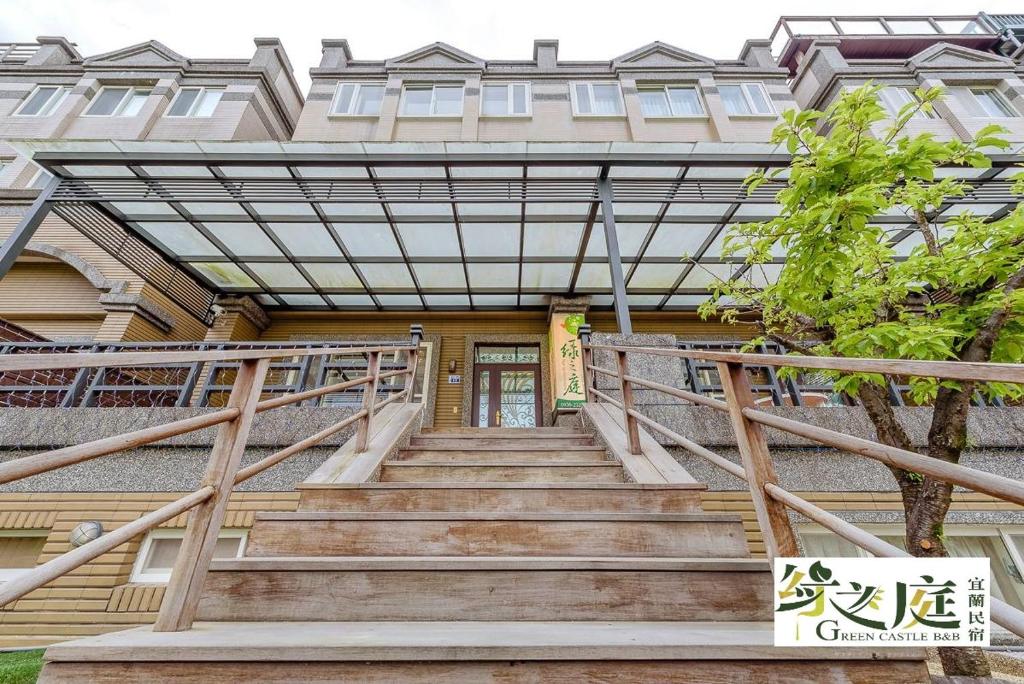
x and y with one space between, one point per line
153 201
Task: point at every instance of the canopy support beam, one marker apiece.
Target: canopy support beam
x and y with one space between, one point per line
26 228
604 189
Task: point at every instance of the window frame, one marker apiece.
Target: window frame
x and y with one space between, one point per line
122 103
773 114
1009 111
195 105
51 104
355 95
509 99
921 114
140 575
665 87
573 85
8 574
433 100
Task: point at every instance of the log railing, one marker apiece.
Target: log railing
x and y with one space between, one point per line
771 502
207 505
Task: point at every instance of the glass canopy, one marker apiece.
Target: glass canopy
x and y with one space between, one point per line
436 226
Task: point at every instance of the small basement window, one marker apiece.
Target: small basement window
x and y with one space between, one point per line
19 551
160 550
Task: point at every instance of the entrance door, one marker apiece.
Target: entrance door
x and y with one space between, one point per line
506 387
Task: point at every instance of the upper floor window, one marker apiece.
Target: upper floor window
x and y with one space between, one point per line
118 102
596 99
42 101
993 103
660 101
432 100
894 99
746 99
511 99
358 99
195 102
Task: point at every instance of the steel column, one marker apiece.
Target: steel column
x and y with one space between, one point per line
604 188
26 227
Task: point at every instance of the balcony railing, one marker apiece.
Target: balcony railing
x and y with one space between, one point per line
17 53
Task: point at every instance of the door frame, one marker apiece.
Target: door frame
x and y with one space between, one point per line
469 344
494 391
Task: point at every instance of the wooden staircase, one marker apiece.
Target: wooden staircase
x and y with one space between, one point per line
485 556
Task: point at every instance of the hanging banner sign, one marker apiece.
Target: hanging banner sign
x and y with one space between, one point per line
566 360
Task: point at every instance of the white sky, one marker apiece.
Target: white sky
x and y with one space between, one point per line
586 29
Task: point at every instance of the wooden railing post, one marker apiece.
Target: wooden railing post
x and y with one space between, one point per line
193 561
772 518
588 360
369 399
632 429
416 333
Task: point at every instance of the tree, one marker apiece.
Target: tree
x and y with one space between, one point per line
844 291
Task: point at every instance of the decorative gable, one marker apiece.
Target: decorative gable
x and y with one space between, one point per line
660 55
948 55
149 54
436 56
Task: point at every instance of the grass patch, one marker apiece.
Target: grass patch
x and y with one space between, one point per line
20 667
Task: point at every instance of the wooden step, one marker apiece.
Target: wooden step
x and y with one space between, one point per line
502 432
398 471
450 652
441 456
498 588
509 497
329 533
472 442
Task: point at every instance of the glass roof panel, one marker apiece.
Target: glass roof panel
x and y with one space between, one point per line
552 239
493 276
487 171
99 170
135 211
409 171
368 239
634 211
759 275
678 239
278 275
244 239
429 239
491 239
177 171
978 209
332 171
496 210
686 300
303 300
431 209
403 300
534 299
715 248
227 276
306 239
710 212
644 299
706 275
568 211
494 299
643 172
333 276
180 239
266 300
447 299
386 276
352 211
204 209
562 171
719 172
553 276
271 210
594 277
661 276
756 210
631 238
255 171
447 276
351 299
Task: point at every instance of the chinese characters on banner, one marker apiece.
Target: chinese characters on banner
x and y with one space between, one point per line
566 360
882 601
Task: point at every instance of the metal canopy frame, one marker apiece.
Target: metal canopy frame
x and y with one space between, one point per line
655 196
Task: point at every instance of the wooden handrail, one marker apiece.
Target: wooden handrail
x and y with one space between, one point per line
686 395
691 446
288 399
63 564
603 371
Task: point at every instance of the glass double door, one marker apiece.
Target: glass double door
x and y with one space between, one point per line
506 395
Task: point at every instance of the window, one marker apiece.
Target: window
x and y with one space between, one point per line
511 99
19 550
118 102
160 550
746 99
195 102
42 101
358 99
663 101
432 100
1002 545
992 103
596 99
894 99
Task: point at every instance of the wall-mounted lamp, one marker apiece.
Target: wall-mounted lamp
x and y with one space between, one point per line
452 366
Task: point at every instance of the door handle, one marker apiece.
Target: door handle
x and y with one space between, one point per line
497 418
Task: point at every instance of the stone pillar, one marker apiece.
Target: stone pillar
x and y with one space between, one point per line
666 370
237 319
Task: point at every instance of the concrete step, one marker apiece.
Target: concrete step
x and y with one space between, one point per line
398 471
509 497
441 456
495 588
504 442
450 652
328 533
